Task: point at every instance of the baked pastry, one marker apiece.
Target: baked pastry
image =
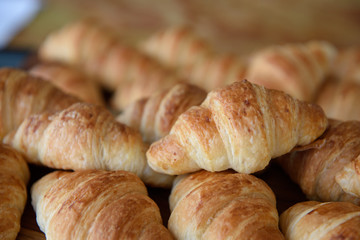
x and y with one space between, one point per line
98 52
241 126
339 100
328 169
70 81
177 47
96 205
84 136
154 116
347 63
14 175
297 69
222 205
22 95
325 221
144 85
194 59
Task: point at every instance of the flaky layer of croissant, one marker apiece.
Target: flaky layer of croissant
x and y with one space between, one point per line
84 136
222 205
22 95
70 81
14 175
328 169
194 59
94 48
322 221
241 126
297 69
96 205
340 100
154 116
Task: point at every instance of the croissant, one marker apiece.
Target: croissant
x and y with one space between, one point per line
22 95
328 169
144 86
297 69
14 175
325 221
69 80
96 205
241 126
222 205
99 53
339 100
194 58
155 116
84 136
177 47
346 65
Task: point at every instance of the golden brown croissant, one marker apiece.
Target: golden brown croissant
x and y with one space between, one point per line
195 60
84 136
14 175
347 64
297 69
340 100
96 205
241 126
322 221
94 48
328 169
222 205
22 95
155 116
177 47
69 80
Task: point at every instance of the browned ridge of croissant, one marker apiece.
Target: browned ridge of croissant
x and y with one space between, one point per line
69 80
84 136
297 69
323 221
96 205
241 126
14 175
22 95
194 59
329 168
222 205
154 116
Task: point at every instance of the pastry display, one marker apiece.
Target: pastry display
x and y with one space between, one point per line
167 136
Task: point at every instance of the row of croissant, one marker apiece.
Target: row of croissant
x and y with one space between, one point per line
240 126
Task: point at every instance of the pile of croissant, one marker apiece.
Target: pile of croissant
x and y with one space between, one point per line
185 117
